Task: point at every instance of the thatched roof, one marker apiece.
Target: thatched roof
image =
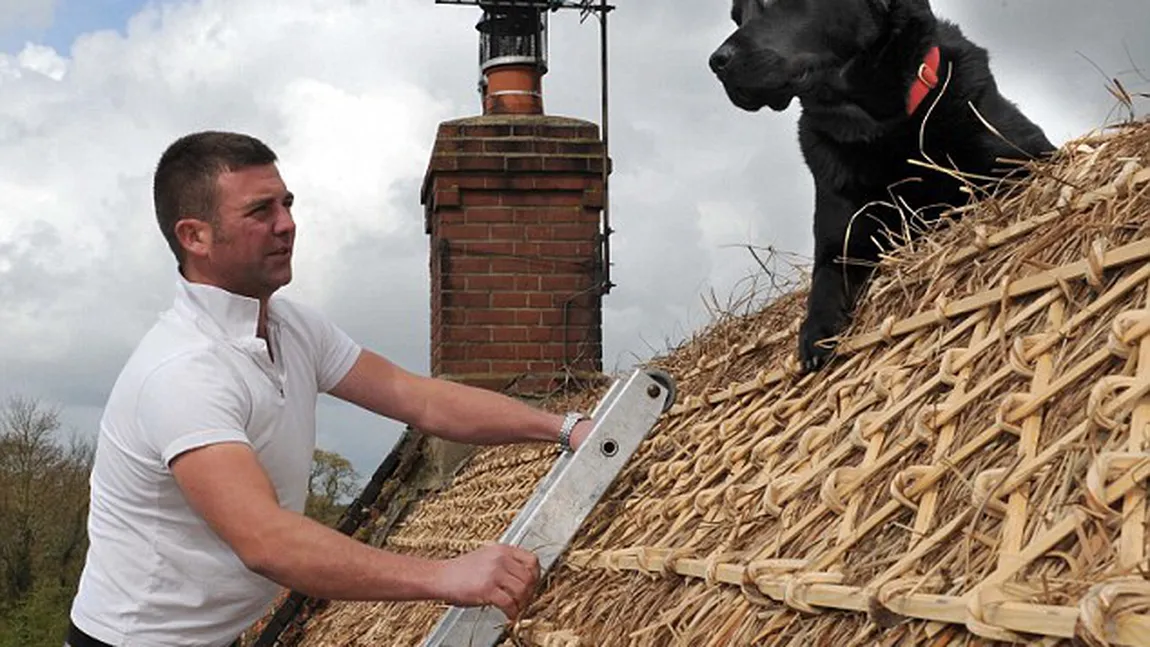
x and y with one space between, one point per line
972 468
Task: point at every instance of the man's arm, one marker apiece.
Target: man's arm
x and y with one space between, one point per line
226 485
453 411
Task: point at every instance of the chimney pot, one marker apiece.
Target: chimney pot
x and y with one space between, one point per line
513 90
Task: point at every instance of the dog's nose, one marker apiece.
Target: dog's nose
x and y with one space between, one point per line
722 58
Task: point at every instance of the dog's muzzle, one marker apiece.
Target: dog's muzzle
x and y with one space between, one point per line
750 85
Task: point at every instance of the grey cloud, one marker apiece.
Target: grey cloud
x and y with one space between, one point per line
31 14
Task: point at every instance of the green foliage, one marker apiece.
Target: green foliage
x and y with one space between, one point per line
44 514
43 538
332 481
40 618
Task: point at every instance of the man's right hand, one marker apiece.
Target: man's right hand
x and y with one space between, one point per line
498 575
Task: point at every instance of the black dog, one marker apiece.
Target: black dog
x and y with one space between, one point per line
867 73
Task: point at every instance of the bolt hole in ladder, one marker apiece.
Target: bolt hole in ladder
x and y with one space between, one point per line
563 500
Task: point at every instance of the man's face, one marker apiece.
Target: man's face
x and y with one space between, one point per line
250 247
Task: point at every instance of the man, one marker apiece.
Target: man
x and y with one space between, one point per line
206 442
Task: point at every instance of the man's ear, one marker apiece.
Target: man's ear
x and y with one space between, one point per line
194 235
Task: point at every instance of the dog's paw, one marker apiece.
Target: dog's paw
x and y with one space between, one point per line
815 346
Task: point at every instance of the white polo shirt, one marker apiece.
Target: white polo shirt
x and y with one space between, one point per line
156 575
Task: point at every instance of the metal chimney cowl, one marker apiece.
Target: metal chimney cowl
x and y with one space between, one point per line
512 59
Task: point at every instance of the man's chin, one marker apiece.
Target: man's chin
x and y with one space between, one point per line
283 279
280 271
277 279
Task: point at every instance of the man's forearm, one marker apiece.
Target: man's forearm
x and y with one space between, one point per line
446 409
480 417
308 557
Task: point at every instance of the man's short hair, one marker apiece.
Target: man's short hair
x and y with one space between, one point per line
184 185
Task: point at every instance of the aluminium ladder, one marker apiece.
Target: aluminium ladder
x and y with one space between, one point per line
563 500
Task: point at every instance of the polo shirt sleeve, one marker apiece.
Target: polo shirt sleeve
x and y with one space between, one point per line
339 354
335 352
192 402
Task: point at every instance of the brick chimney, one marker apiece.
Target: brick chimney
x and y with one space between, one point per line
514 205
513 208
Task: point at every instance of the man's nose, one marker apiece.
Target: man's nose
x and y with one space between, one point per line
285 223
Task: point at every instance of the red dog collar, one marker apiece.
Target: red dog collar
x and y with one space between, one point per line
927 80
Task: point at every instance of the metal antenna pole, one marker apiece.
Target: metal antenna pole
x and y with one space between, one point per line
605 116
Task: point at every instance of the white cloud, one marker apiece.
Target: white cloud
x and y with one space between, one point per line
82 135
43 60
349 94
333 87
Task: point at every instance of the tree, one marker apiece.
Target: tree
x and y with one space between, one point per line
332 481
44 508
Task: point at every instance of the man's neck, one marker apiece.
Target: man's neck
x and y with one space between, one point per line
262 323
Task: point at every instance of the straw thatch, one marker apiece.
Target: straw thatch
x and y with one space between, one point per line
972 469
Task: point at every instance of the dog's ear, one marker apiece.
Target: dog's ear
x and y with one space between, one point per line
905 6
901 14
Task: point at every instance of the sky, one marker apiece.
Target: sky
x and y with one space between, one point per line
349 94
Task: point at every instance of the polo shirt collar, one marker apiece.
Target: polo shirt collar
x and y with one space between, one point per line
234 316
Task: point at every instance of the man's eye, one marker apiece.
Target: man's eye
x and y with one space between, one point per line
260 211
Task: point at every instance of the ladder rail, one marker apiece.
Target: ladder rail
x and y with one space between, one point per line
556 471
564 499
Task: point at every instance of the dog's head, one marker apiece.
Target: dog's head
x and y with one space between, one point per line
788 48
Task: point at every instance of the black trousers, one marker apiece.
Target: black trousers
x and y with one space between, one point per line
77 638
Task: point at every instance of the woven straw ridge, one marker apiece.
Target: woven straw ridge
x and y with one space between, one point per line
971 469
